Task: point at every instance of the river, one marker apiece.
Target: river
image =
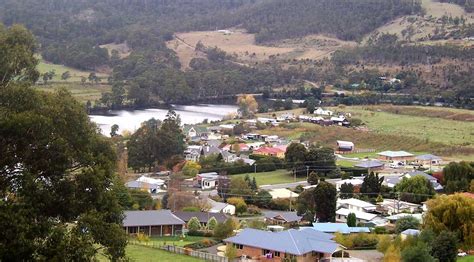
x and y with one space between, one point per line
131 119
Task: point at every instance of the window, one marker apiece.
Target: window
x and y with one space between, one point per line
276 254
265 251
238 246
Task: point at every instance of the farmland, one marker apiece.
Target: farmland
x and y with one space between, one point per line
76 74
83 93
143 253
280 176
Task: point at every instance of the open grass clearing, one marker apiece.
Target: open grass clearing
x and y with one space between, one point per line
76 74
83 93
175 240
280 176
465 259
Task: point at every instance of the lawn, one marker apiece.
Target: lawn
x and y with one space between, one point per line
280 176
434 129
176 241
142 253
465 259
345 163
76 74
83 93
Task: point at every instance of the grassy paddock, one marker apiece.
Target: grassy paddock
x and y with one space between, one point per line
280 176
143 253
83 93
76 74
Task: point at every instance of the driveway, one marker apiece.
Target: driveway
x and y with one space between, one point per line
366 255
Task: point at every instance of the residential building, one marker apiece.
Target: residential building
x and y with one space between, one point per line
356 204
395 206
371 165
191 131
320 111
152 223
281 217
270 151
400 156
345 145
150 188
392 181
207 180
219 207
342 228
209 150
301 245
409 233
203 217
394 218
428 159
355 182
192 153
361 217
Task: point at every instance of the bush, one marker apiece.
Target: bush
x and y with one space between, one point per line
281 204
194 224
408 222
205 243
239 203
211 223
359 240
380 230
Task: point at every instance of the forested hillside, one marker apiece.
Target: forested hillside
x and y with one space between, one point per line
467 4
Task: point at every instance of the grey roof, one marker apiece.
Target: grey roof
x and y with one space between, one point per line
210 150
339 227
226 154
370 164
150 218
296 242
420 173
202 216
285 215
411 232
395 154
138 184
428 157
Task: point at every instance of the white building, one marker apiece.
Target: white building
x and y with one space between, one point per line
361 217
354 182
282 193
323 112
219 207
356 205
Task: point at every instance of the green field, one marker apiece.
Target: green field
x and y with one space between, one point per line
83 93
466 259
175 241
76 74
142 253
280 176
426 128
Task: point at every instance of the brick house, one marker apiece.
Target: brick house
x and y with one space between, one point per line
303 245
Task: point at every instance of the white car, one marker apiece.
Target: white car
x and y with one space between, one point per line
462 254
394 165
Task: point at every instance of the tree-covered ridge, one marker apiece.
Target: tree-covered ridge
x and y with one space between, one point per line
467 4
346 19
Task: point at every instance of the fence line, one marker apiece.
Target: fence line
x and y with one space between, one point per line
182 251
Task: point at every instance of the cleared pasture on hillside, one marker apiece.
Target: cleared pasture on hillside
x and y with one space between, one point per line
83 93
76 74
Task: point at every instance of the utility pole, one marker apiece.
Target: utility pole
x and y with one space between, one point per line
307 172
255 168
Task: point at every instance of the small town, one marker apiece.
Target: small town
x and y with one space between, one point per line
237 130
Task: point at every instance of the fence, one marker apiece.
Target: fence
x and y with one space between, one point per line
182 251
356 151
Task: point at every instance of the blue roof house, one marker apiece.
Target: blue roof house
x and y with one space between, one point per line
342 228
304 244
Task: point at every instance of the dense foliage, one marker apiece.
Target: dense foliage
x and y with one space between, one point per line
58 190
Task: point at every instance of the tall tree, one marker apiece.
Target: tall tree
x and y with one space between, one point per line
248 106
444 247
457 176
371 185
415 189
295 156
452 213
325 196
347 191
321 159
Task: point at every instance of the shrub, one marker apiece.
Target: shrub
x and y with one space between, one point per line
408 222
141 237
211 223
239 203
194 224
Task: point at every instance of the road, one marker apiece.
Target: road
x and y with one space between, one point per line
294 184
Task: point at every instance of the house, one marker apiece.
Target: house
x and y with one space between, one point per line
371 165
281 217
207 180
392 181
342 228
345 145
282 193
301 245
203 217
320 111
228 157
409 233
394 206
192 153
271 139
361 217
219 207
394 218
191 131
400 156
270 151
355 182
152 223
428 159
209 150
356 204
239 147
151 188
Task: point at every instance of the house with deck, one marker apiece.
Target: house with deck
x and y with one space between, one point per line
300 245
152 223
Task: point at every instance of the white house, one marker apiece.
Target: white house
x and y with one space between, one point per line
361 217
356 205
207 180
394 206
153 181
354 182
345 145
219 207
321 111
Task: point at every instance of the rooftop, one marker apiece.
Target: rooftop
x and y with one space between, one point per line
339 227
282 215
203 217
356 202
370 164
296 242
428 157
150 218
358 214
395 154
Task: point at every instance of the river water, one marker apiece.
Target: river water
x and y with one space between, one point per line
131 119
